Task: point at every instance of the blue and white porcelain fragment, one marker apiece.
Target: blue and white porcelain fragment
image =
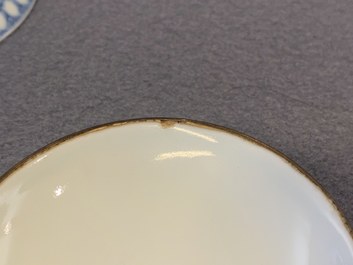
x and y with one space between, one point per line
12 15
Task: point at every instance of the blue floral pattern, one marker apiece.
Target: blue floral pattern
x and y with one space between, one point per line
12 14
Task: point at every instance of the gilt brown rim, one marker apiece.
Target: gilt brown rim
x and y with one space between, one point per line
166 122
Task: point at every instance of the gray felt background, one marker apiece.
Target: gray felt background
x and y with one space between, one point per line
278 70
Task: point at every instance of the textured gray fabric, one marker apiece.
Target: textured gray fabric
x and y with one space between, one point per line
278 70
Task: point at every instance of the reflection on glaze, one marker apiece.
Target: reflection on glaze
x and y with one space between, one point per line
59 190
7 228
184 154
207 138
338 260
40 159
332 218
11 201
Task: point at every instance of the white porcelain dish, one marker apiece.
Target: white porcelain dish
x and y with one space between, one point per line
166 192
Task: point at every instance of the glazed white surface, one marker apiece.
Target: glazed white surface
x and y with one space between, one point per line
140 194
